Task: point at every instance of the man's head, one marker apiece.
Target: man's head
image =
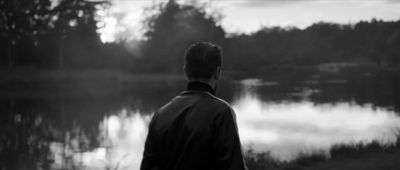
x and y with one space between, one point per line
203 61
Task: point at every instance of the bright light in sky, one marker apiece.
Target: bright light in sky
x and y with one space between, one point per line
123 20
246 16
108 30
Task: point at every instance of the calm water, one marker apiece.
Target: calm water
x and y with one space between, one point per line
286 114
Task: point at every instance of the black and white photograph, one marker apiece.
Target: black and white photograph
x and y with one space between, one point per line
199 84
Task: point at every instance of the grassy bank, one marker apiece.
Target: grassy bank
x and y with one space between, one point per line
52 83
359 156
78 75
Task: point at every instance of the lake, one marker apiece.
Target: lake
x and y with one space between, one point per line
285 113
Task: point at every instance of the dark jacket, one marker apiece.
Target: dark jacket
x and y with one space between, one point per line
194 131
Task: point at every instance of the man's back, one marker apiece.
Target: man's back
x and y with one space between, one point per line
196 130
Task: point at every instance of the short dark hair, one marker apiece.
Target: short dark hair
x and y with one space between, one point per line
202 60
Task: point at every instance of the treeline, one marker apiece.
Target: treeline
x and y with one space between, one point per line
42 34
375 42
55 35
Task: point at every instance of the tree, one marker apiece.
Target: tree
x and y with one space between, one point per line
22 19
76 19
172 28
394 44
27 23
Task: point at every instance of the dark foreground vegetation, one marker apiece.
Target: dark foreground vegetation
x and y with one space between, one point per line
357 156
43 34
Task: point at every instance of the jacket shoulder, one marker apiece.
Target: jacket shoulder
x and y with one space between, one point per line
220 103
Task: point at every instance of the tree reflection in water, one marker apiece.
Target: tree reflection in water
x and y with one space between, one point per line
288 129
285 115
284 129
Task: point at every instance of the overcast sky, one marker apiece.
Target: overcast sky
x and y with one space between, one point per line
247 16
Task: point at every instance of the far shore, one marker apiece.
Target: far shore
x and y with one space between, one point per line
29 82
88 74
34 83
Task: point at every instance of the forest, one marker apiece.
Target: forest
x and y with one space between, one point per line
43 35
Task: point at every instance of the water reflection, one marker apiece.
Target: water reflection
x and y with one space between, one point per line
286 112
285 129
122 137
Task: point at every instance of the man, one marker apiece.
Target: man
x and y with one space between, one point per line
196 130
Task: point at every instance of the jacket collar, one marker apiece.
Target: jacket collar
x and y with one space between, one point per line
199 86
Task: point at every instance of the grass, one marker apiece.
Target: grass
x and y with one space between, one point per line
357 156
74 75
23 83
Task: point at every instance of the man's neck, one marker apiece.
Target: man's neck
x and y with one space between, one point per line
211 83
202 86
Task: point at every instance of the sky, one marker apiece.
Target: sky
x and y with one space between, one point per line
124 17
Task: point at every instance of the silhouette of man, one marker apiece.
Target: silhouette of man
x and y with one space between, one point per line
196 130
